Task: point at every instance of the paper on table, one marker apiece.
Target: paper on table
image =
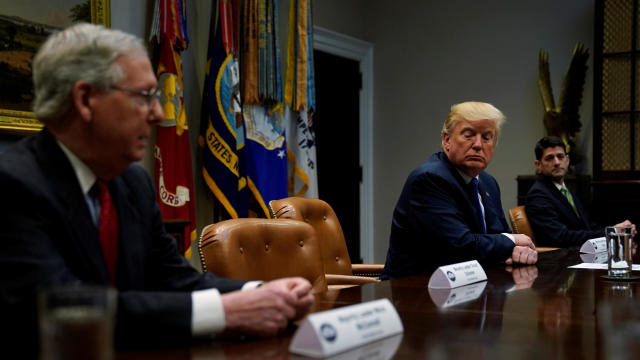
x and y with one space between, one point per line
635 267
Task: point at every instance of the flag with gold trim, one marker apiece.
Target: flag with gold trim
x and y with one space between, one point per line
299 99
172 152
266 147
222 133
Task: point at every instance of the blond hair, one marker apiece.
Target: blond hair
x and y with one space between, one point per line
473 111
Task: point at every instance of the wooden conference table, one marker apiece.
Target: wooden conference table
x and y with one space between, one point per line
541 311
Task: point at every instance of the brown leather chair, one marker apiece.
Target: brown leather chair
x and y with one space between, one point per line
262 249
520 225
335 256
520 222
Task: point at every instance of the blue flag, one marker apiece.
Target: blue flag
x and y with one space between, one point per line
222 134
266 155
266 149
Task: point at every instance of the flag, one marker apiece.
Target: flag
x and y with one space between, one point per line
266 149
299 102
222 137
172 152
266 155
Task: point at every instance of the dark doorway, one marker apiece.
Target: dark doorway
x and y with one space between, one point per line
336 125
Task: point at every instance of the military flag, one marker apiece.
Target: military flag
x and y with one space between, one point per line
262 110
222 133
172 152
299 102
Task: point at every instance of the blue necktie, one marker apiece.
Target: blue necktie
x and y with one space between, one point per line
476 197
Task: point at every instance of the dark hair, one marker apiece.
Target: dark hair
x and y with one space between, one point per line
547 142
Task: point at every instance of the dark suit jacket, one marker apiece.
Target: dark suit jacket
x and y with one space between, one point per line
47 238
435 221
553 221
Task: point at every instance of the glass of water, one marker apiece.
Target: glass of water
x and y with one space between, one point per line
77 323
619 251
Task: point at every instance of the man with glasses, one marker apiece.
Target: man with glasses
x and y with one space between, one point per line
557 216
77 210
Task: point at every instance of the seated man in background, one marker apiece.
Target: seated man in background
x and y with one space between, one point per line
450 209
77 210
557 217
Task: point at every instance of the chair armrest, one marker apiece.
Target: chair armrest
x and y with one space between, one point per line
370 270
335 279
542 249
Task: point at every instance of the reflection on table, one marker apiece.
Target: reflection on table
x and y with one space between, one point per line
534 312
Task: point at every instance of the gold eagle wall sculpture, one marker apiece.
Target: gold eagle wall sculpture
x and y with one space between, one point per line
563 120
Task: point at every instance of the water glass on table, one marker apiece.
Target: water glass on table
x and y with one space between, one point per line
77 323
619 251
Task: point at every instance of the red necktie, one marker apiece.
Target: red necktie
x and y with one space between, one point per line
108 229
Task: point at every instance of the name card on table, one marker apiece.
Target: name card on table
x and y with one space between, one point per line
593 246
334 331
455 275
597 258
383 349
448 297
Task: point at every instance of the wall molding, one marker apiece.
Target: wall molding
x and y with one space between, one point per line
346 46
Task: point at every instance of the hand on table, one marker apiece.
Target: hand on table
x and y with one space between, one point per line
628 223
267 310
524 252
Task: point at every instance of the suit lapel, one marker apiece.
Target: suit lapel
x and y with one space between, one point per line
467 191
562 200
68 196
582 212
473 218
490 215
130 251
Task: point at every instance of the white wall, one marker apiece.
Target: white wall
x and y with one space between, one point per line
428 56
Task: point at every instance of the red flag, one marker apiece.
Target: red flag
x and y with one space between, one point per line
173 176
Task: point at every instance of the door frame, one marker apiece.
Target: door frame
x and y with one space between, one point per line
346 46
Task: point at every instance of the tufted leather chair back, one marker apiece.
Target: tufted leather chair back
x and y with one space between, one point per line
262 249
321 216
520 222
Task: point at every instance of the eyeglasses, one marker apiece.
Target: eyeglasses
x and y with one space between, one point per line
148 95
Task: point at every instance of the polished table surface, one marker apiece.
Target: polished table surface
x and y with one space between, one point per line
540 311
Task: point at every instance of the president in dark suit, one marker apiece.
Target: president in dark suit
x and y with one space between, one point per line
557 216
450 209
77 211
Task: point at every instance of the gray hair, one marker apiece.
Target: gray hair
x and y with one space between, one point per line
84 52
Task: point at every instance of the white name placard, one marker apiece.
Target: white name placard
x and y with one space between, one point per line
448 297
455 275
383 349
593 246
597 258
334 331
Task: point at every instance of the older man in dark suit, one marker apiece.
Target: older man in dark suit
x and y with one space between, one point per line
77 210
556 215
450 209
